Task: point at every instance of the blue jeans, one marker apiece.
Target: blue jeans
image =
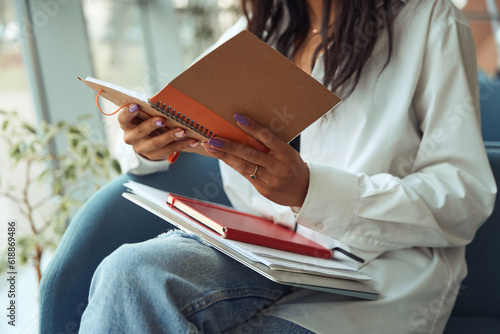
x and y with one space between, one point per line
108 221
175 284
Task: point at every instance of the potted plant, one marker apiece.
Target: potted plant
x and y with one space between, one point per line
67 178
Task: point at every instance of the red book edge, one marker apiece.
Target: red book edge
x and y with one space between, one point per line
248 237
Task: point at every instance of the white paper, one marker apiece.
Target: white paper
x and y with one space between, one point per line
273 258
137 95
156 196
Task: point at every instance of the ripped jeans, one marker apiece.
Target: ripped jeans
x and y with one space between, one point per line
105 223
176 284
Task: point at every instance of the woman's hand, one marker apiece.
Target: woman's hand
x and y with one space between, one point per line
281 175
147 138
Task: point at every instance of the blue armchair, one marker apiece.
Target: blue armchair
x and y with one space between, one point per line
477 309
489 94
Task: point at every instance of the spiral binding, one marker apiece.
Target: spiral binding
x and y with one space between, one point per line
180 118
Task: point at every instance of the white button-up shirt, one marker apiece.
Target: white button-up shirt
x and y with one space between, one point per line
398 176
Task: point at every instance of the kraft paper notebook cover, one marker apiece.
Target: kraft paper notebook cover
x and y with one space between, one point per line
243 75
239 226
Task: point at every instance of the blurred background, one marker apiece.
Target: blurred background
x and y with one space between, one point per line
44 44
137 44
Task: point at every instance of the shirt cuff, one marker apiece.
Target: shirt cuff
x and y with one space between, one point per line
331 200
133 163
153 164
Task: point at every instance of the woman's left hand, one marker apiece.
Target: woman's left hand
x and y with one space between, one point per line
281 175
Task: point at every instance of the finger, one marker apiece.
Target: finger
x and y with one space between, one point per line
143 130
256 174
150 143
126 116
227 148
244 166
263 134
163 152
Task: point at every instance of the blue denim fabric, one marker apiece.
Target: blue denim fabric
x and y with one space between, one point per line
108 221
175 284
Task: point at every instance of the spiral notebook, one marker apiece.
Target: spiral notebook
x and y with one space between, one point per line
243 75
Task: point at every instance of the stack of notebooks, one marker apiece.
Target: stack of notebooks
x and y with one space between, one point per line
271 250
247 76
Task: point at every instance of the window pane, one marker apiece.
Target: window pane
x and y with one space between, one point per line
116 41
117 50
200 24
15 95
487 41
118 44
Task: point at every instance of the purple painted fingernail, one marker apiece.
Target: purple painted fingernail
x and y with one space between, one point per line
195 144
159 123
133 108
241 119
215 142
179 133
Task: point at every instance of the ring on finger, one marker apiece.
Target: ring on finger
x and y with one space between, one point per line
254 175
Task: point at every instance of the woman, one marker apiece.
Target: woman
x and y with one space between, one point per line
397 174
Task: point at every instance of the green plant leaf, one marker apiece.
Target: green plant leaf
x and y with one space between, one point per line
74 130
61 124
28 127
84 117
58 186
4 265
44 174
82 164
26 246
16 153
116 166
73 143
70 172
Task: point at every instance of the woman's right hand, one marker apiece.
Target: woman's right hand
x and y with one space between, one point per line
146 138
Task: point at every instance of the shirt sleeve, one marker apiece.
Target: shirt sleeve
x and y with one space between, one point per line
448 190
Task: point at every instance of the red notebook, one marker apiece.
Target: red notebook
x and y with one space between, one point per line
239 226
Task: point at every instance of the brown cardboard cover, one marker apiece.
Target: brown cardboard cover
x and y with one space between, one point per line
247 76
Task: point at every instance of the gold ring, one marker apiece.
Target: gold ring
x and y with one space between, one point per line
254 175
